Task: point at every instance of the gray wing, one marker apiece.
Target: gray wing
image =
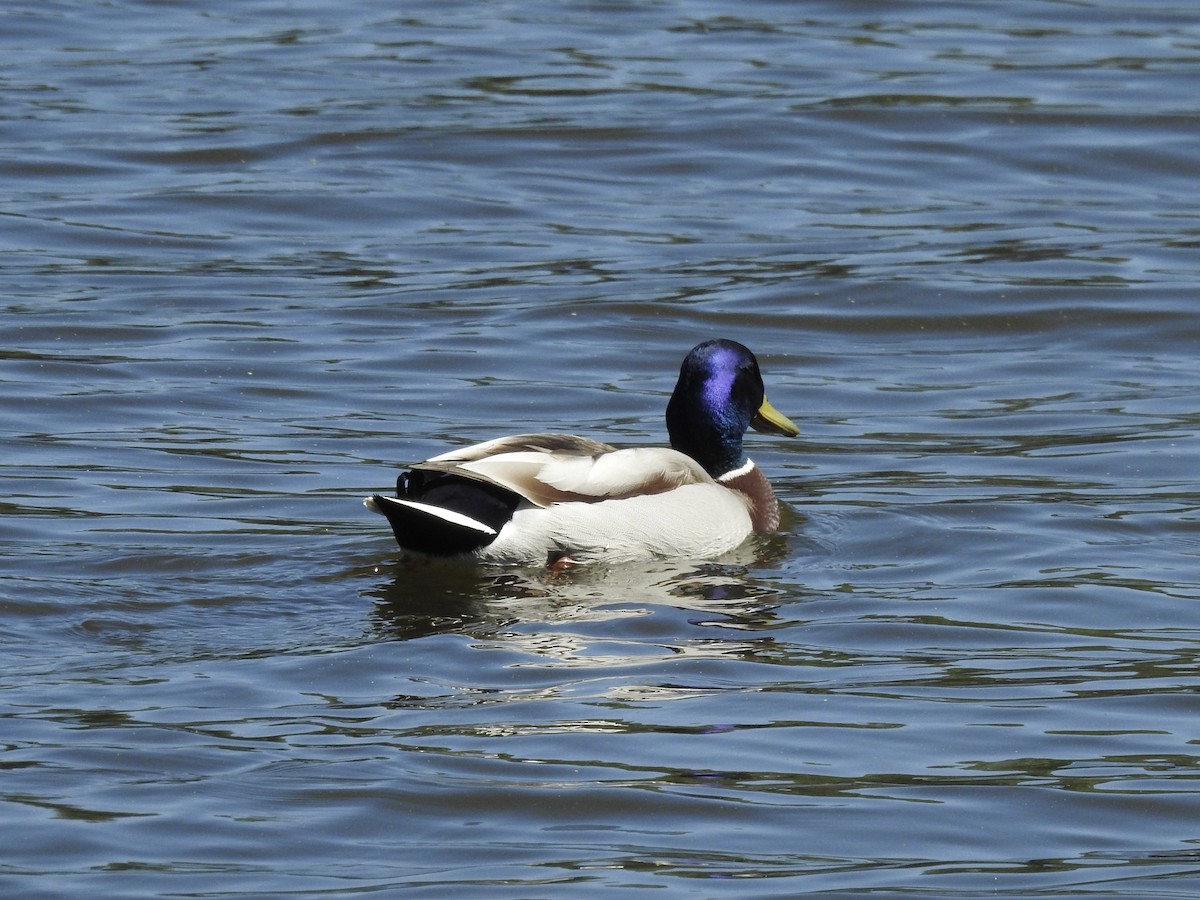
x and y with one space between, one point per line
556 468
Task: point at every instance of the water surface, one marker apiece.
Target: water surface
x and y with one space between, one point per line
257 255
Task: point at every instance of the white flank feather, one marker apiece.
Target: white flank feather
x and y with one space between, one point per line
716 522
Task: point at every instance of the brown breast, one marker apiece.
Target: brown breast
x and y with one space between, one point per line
753 485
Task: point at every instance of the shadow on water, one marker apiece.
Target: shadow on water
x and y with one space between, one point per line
420 597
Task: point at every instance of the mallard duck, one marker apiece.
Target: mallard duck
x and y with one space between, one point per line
556 498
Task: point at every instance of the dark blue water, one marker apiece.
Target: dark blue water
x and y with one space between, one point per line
255 256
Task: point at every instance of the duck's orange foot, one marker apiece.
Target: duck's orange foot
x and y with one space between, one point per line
559 562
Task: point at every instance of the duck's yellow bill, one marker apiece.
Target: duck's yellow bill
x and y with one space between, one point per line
771 421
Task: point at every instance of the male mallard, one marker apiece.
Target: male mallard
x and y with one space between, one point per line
539 498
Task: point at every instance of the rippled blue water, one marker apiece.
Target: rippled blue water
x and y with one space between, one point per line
257 255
